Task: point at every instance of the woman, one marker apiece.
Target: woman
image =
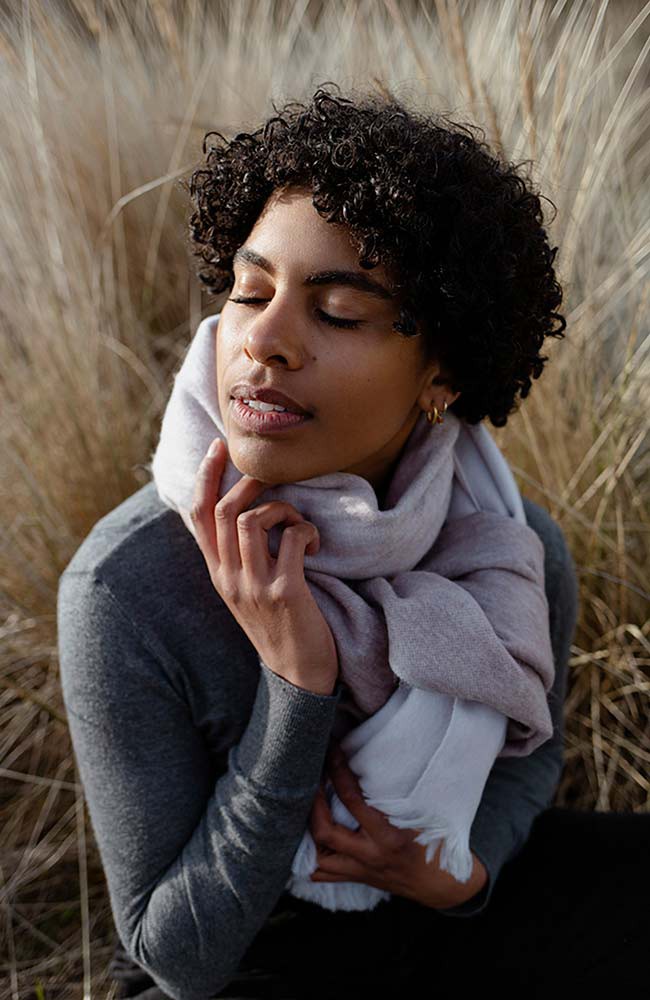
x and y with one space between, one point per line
200 763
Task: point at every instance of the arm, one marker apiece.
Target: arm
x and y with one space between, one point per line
519 788
194 865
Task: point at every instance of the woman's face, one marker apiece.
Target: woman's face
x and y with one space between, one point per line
364 386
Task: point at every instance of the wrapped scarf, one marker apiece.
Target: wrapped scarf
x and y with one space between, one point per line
437 606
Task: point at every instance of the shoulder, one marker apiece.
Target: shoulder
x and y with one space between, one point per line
138 563
142 553
133 591
133 535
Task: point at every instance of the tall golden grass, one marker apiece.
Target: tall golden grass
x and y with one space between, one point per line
103 108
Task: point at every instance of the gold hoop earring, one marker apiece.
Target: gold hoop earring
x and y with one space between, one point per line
434 417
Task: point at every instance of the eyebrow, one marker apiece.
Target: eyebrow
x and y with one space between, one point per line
353 279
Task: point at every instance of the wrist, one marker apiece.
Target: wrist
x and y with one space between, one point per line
428 884
463 892
316 686
316 683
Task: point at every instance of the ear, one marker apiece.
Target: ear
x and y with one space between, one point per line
435 388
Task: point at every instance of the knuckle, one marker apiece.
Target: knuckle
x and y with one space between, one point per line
374 856
224 509
282 590
284 506
327 839
275 508
195 513
298 529
322 831
259 593
230 592
318 828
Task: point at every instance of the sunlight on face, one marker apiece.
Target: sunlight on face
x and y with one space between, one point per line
365 386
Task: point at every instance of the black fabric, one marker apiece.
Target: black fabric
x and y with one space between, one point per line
569 913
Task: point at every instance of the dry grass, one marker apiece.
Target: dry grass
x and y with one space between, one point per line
101 113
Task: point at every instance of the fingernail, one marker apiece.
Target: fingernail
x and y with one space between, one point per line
216 444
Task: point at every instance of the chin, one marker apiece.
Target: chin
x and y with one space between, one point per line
265 469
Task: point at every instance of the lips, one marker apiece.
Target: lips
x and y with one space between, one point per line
267 394
266 423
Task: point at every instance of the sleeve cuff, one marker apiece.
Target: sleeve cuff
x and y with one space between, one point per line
284 745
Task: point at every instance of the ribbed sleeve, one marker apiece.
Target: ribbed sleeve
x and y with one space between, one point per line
194 866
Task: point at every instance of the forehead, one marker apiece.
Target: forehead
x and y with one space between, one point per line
290 235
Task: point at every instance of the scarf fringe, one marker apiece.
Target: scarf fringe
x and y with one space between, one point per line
455 855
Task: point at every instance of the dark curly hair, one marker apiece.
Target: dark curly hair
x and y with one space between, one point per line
459 232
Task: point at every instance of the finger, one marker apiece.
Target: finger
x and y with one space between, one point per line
348 789
238 499
252 530
337 837
320 816
295 542
320 876
206 487
340 868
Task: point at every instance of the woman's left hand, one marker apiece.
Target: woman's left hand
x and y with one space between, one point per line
379 854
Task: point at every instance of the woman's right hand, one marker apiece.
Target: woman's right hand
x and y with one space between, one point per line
269 597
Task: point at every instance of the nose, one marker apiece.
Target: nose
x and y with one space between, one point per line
273 337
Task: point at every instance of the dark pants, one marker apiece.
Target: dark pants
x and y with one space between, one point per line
567 915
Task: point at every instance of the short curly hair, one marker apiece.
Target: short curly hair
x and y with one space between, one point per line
459 232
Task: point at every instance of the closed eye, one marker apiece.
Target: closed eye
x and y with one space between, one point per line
347 324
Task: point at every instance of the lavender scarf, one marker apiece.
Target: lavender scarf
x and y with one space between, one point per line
436 603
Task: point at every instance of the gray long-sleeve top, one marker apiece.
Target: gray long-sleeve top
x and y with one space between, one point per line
200 764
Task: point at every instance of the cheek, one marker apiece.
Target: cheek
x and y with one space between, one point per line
224 359
386 391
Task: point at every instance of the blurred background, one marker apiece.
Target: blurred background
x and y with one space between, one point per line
103 108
